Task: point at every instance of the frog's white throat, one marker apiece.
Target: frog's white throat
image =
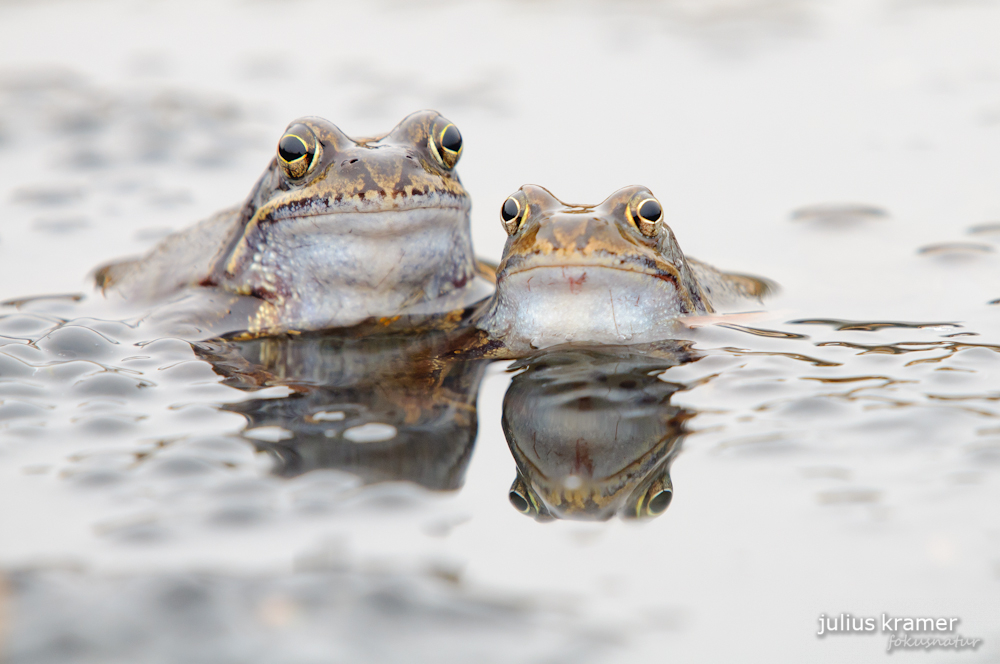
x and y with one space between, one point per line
546 306
341 269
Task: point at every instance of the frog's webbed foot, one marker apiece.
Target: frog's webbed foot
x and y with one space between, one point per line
178 261
112 274
725 287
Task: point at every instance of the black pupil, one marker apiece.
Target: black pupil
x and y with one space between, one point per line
291 148
518 501
510 209
659 502
650 210
451 139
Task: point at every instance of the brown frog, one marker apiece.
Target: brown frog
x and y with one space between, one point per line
336 232
609 273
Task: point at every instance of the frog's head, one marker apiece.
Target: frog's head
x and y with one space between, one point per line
353 227
608 273
583 479
593 433
649 500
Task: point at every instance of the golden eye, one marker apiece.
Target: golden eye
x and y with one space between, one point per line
648 213
512 215
298 151
451 139
292 148
446 145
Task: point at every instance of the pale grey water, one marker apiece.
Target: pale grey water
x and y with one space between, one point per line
844 471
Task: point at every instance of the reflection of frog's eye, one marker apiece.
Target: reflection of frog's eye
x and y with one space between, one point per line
648 213
520 502
298 151
512 214
659 502
655 502
524 500
446 145
653 499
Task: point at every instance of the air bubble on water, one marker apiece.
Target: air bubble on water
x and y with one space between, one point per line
269 434
329 416
373 432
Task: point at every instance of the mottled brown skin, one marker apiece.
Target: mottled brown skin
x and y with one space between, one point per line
554 233
598 274
376 228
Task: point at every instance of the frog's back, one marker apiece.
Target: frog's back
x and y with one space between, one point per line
182 259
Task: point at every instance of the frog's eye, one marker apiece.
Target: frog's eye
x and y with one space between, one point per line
659 502
446 145
512 214
654 499
647 214
298 151
451 139
524 500
521 502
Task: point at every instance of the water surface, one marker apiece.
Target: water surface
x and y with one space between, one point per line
836 452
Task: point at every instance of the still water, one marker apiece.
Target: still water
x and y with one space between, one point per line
328 499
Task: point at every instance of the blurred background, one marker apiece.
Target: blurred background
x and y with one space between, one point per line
847 149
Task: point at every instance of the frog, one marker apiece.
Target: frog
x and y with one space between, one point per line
337 231
593 431
609 273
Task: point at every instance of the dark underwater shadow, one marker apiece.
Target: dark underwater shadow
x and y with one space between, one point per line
382 407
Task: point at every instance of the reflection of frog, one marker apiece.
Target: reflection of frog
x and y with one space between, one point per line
336 231
608 273
593 432
383 407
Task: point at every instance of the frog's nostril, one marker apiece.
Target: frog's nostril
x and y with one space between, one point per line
354 161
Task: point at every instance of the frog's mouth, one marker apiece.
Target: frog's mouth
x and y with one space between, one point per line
412 223
574 275
369 213
626 259
630 286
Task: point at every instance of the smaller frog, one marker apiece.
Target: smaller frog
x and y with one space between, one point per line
336 232
609 273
